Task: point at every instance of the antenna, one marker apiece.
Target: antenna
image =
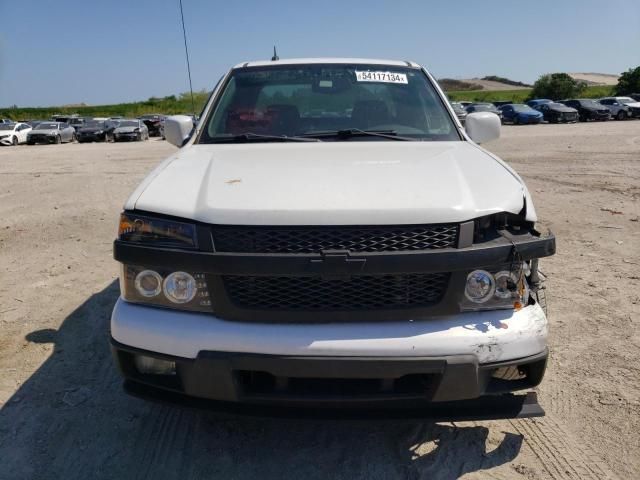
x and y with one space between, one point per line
186 51
275 57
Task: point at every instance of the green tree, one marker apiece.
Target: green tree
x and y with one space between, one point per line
557 86
629 82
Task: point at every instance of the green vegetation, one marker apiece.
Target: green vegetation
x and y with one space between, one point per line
521 95
629 82
171 104
557 86
507 81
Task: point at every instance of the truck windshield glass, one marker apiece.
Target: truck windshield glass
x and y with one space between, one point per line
301 100
47 126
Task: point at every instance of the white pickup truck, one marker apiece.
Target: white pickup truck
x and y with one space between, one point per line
330 235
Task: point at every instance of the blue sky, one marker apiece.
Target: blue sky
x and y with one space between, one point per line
54 53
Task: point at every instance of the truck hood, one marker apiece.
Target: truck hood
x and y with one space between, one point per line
331 183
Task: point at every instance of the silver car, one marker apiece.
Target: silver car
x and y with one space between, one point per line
131 130
51 132
621 107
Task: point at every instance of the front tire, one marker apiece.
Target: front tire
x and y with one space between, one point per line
621 115
14 142
58 140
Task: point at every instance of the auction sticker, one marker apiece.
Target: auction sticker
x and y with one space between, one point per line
384 77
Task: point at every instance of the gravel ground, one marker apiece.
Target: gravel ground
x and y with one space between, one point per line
63 414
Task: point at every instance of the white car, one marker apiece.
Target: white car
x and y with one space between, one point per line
622 107
13 133
329 234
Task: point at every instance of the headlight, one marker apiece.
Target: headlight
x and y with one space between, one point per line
480 286
99 132
180 287
164 288
156 231
148 283
493 289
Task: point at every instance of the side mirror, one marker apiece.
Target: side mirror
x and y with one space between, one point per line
177 129
483 126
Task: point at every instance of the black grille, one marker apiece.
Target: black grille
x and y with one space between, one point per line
391 238
316 294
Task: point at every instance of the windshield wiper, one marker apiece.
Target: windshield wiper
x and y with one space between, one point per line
356 132
255 137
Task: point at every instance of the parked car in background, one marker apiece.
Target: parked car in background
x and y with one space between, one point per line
621 107
96 131
520 114
14 133
460 112
76 122
484 107
465 103
499 103
51 132
153 123
133 129
557 112
588 109
34 123
538 101
635 96
5 120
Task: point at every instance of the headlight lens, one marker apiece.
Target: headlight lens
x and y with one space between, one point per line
480 286
180 287
164 288
148 283
156 231
493 289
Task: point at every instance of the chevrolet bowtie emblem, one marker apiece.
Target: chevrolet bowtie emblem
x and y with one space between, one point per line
336 265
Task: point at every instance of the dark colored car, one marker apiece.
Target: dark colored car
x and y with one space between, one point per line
588 109
500 103
538 101
460 112
153 123
96 131
520 114
557 112
484 107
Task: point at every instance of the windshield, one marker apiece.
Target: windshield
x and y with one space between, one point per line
483 107
128 123
47 126
626 100
7 126
94 124
590 103
523 108
299 100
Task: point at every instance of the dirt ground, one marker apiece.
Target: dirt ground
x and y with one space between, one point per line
63 414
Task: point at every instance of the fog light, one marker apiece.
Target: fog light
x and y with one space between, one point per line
480 286
154 366
180 287
148 283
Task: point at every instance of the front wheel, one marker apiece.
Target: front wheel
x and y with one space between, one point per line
58 140
621 115
74 138
14 142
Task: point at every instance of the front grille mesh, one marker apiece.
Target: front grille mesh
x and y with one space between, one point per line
316 294
382 238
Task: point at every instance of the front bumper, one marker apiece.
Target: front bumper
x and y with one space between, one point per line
6 141
126 136
443 359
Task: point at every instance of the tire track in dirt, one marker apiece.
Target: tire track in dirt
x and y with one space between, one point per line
561 455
